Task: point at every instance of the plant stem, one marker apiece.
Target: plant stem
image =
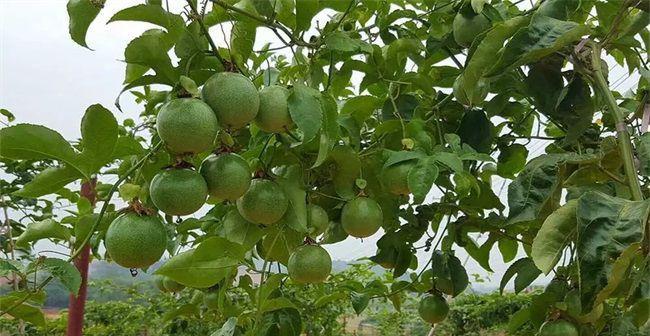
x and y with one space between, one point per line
206 33
624 141
78 251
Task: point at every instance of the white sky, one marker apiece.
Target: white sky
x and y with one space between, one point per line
46 78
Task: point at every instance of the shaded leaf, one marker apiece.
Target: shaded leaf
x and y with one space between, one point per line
525 273
556 232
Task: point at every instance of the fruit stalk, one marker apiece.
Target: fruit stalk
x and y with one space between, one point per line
77 303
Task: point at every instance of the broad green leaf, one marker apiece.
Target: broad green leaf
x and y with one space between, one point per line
542 37
305 110
348 166
40 230
305 11
449 273
556 232
206 265
481 253
335 296
227 329
343 42
451 160
606 226
280 242
486 53
361 107
152 14
512 160
150 50
535 193
359 301
401 156
476 130
421 178
81 14
24 311
277 303
330 130
643 151
49 181
7 267
242 40
238 230
618 274
525 271
35 142
508 249
99 135
64 272
290 180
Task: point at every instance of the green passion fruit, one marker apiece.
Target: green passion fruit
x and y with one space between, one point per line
178 192
309 264
361 217
136 241
233 97
228 175
558 328
433 308
395 177
273 115
187 125
263 203
467 25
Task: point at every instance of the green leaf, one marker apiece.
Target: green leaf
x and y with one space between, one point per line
206 265
242 40
335 296
24 311
421 178
556 232
99 135
64 272
238 230
305 110
525 272
153 14
508 249
290 180
81 14
606 226
190 86
227 329
10 117
341 41
486 53
49 181
359 301
401 156
277 303
535 193
35 142
150 50
40 230
305 11
361 107
449 273
476 130
544 36
280 242
7 267
643 152
512 160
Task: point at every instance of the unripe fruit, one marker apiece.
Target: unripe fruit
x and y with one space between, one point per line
187 125
171 285
558 328
309 264
233 97
317 219
228 176
136 241
433 308
361 217
395 178
178 192
273 115
263 203
467 25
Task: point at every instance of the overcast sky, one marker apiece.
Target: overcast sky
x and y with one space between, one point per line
46 78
